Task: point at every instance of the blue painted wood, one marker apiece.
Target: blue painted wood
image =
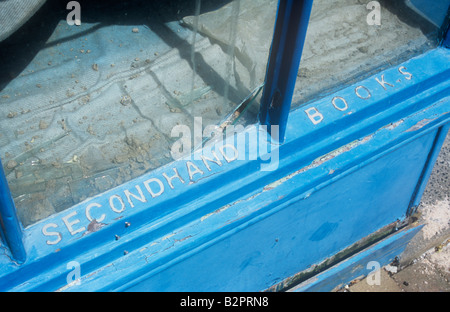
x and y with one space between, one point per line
446 40
428 168
434 11
10 229
359 265
306 229
284 60
237 225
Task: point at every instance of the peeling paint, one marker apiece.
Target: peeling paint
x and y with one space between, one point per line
420 125
75 283
183 239
229 205
168 236
394 125
319 161
93 226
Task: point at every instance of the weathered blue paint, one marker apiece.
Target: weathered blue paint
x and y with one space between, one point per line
10 228
284 60
433 11
337 180
356 266
446 40
287 234
432 157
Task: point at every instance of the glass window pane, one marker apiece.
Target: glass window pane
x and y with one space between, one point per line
348 40
84 108
89 107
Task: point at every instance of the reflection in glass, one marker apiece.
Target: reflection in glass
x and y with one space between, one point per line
86 108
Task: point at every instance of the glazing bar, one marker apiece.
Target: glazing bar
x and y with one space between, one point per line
10 226
284 60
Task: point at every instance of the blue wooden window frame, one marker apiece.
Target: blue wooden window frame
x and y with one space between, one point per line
286 50
292 17
10 226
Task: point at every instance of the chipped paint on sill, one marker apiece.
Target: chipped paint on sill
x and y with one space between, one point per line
78 281
420 125
319 161
168 236
223 208
182 239
394 125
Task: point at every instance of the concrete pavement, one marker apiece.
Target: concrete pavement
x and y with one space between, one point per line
428 273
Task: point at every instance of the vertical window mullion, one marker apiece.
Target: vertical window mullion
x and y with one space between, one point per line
284 60
10 226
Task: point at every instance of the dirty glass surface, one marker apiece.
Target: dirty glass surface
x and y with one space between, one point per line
348 40
86 108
